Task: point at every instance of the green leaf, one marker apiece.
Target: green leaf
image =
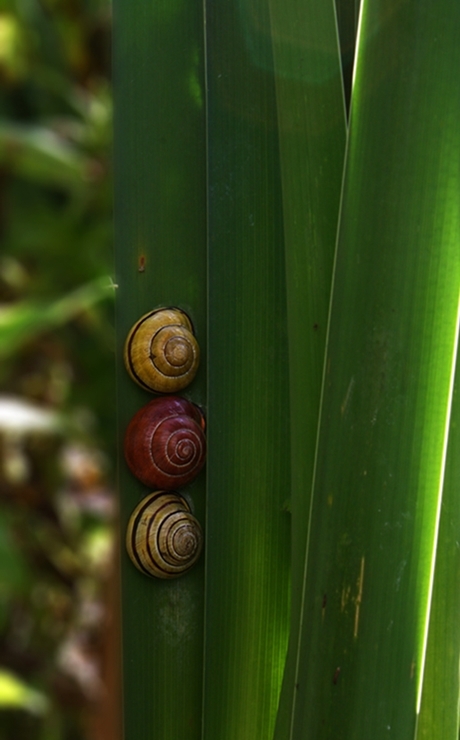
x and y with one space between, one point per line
348 584
160 251
20 322
15 694
248 482
40 155
387 384
311 128
439 715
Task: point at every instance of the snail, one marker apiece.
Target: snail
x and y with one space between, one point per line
161 353
165 445
163 537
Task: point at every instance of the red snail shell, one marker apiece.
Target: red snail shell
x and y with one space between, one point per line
163 538
165 445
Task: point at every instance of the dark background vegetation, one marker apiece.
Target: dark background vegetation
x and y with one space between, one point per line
58 668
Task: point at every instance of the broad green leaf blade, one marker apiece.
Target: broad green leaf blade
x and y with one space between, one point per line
387 383
247 551
160 209
439 714
311 129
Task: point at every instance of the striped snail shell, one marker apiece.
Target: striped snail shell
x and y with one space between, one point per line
161 353
163 538
165 445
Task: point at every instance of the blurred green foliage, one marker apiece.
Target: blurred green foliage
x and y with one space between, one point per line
57 412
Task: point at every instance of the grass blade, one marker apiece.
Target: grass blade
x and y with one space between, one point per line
247 558
20 322
311 126
439 717
160 209
387 383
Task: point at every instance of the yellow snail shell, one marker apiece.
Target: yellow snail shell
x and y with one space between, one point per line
161 352
163 538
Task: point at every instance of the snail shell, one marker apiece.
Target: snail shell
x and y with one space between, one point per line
163 538
161 352
165 445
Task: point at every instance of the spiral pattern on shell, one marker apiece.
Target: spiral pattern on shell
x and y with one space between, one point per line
165 445
163 538
161 353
